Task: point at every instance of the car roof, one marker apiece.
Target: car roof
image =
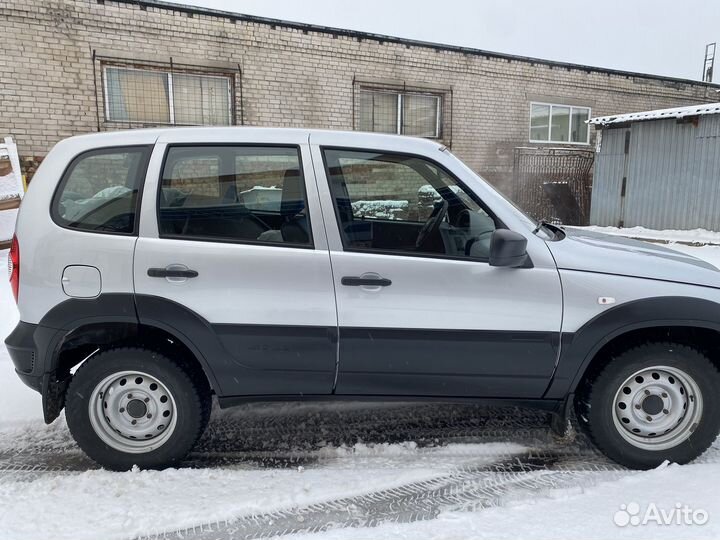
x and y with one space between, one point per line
246 134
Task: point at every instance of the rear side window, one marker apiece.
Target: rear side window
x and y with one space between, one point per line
100 190
248 194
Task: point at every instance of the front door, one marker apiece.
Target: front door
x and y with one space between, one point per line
420 310
233 256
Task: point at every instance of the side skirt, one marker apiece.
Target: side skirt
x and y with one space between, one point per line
549 405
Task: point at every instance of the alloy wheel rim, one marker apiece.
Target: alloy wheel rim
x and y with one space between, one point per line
657 408
132 412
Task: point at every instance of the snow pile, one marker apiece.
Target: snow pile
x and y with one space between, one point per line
696 236
381 209
8 186
362 449
410 448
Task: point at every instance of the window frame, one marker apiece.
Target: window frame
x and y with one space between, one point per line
549 133
400 93
73 163
499 224
168 73
220 240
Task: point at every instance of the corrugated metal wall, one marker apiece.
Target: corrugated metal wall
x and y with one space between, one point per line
672 171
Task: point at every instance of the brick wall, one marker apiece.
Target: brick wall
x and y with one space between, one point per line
51 86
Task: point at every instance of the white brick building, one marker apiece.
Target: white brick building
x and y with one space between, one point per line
77 66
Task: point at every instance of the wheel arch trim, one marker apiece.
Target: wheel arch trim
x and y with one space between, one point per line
72 315
578 349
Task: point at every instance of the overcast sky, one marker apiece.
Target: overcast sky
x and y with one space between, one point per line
664 37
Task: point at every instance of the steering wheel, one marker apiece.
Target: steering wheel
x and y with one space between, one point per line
432 225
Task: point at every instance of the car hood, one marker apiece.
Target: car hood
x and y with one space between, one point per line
590 251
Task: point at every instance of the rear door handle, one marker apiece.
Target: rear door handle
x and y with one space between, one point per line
171 273
354 281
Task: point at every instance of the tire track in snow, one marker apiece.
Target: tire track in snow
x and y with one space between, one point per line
465 489
548 467
281 436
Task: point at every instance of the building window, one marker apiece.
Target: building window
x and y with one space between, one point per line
162 97
559 123
404 113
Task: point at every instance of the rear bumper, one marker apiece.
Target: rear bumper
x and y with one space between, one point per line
22 344
33 381
30 347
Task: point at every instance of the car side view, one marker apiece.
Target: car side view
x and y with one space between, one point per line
154 269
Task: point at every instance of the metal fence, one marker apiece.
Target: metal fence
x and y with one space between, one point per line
554 183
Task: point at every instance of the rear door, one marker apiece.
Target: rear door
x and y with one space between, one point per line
232 258
421 312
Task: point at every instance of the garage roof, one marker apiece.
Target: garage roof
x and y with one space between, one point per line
677 112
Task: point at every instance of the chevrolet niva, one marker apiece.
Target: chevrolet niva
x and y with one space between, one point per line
155 268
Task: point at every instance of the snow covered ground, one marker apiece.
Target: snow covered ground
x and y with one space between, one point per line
7 223
8 189
694 236
330 472
9 186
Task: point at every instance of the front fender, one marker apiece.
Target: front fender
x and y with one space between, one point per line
579 348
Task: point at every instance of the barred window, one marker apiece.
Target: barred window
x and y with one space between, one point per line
405 113
162 97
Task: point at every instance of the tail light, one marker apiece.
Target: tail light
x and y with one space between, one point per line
14 267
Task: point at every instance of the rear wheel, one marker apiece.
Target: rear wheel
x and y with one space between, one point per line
654 402
133 406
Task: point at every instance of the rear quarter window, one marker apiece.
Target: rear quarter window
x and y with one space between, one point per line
100 190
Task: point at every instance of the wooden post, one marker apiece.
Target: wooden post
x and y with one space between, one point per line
12 153
10 204
17 191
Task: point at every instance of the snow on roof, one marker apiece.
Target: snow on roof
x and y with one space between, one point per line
677 112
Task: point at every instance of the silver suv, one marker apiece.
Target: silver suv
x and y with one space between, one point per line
155 268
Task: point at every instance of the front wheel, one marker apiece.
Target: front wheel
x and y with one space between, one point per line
133 406
654 402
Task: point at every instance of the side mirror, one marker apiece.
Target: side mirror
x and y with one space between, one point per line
508 248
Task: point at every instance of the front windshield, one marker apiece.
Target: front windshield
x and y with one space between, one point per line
530 222
544 230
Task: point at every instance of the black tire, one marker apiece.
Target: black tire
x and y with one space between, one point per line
192 402
597 402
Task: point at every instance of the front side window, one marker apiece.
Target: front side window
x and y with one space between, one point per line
405 205
248 194
99 191
559 123
403 113
163 97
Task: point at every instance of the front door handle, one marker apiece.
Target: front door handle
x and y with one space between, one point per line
171 273
354 281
